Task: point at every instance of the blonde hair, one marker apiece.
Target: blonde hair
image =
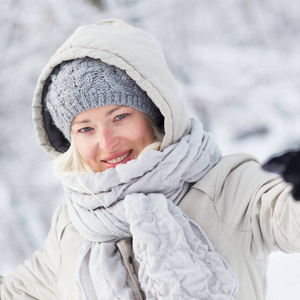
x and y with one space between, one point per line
72 162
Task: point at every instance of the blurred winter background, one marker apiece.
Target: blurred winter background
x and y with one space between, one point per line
237 63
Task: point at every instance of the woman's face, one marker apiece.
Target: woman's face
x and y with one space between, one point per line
110 135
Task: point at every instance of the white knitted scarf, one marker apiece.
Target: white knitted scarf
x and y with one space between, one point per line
139 200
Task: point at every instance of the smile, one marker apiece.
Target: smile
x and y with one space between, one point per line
118 159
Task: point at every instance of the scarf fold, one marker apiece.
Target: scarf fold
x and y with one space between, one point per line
139 200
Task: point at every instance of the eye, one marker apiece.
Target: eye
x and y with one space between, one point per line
85 129
120 117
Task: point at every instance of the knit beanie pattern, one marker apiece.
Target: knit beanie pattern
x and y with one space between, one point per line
85 83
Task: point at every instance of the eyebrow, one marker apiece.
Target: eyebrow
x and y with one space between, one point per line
107 114
113 110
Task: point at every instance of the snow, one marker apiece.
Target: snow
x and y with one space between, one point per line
237 65
284 276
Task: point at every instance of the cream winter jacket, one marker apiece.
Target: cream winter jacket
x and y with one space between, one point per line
244 211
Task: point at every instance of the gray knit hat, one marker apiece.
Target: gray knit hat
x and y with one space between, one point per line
84 83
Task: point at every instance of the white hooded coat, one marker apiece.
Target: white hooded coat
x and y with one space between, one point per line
245 212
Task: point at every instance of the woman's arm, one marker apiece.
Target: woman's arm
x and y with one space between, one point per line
279 218
262 203
38 277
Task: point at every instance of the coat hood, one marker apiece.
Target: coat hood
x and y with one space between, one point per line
130 49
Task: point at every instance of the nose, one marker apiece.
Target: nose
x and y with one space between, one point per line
108 139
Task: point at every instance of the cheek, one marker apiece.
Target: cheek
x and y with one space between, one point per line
86 150
144 135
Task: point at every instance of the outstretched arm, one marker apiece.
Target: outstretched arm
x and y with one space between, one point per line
37 278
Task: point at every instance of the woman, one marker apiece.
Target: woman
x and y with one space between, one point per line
147 191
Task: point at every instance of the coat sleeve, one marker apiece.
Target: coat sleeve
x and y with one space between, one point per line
38 277
278 216
261 203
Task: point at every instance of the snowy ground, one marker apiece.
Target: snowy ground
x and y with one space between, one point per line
238 67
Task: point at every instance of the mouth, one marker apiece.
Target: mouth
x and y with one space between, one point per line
117 160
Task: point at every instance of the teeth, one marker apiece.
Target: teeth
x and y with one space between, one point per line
118 159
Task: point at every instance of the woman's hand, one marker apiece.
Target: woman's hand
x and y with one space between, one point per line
287 165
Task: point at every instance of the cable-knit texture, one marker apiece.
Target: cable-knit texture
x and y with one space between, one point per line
84 83
139 200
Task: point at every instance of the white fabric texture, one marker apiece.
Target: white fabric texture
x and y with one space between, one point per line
138 200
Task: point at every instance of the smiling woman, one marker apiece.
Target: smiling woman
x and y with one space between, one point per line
112 121
152 210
